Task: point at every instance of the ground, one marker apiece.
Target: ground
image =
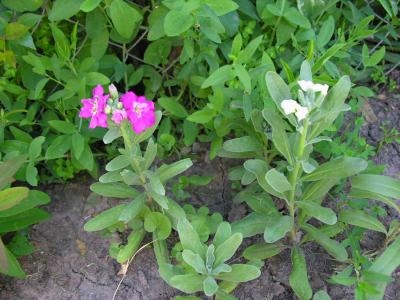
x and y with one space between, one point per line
70 263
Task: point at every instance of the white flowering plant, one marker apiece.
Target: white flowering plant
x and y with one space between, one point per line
280 168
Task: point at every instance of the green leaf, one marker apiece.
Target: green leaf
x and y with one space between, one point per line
171 105
95 78
150 154
12 196
194 260
298 278
177 22
3 258
324 214
362 194
210 286
166 172
321 295
390 6
58 147
125 18
228 248
240 273
117 190
222 234
361 219
111 135
63 126
156 22
33 199
158 223
105 219
219 76
252 224
277 181
243 144
221 7
13 267
338 168
277 228
379 184
385 264
62 10
35 147
86 159
189 238
263 251
8 168
188 283
202 116
247 53
326 32
327 55
22 5
279 135
89 5
128 250
293 16
333 247
243 76
119 162
62 45
132 209
22 220
78 145
31 174
15 30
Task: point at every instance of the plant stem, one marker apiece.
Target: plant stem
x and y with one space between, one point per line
295 175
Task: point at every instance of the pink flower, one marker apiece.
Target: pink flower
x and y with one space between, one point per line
94 108
118 115
139 110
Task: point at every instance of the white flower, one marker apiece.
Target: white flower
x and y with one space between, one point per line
290 106
301 112
307 85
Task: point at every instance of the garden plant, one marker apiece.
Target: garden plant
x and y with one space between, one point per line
131 86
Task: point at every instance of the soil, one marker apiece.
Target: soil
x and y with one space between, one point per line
70 263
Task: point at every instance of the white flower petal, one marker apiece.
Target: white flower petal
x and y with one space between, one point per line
323 88
301 112
306 85
289 106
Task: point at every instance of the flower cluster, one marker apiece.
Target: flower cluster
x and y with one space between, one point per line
291 106
136 109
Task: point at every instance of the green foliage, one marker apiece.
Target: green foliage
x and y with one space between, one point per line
17 211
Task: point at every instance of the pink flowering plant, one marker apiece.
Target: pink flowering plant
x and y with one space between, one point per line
147 209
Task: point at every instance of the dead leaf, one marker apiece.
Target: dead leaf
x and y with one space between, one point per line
368 113
123 270
81 247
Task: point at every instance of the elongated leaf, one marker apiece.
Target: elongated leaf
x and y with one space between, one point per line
62 10
35 147
223 232
277 228
385 264
337 168
105 219
254 223
321 295
228 248
361 219
279 135
277 88
194 260
243 76
117 190
210 286
374 196
63 126
22 220
298 278
263 251
33 199
243 144
127 251
12 196
189 238
188 283
118 162
172 106
333 247
379 184
177 22
317 190
166 172
240 273
277 181
58 147
8 168
247 53
132 209
3 258
13 267
219 76
324 214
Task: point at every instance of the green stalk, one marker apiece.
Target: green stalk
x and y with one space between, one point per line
294 176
